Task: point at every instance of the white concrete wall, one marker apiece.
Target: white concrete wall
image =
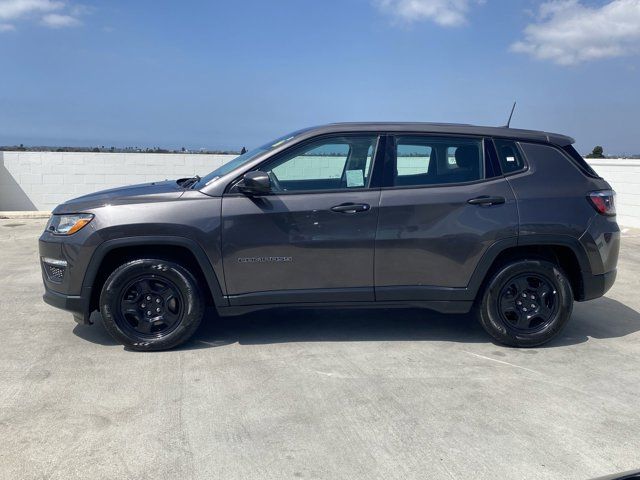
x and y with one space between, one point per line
624 177
42 180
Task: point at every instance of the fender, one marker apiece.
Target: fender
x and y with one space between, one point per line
561 240
203 261
490 256
500 246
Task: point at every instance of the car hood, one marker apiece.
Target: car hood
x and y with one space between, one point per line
167 190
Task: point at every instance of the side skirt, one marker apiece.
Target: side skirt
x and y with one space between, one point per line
442 306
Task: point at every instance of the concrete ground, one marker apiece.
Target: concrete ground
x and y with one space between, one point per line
328 394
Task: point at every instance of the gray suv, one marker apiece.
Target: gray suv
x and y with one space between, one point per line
513 224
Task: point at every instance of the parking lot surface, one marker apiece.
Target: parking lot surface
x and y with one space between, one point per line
331 394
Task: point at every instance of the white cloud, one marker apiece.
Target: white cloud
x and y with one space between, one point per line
568 32
55 20
14 9
52 13
448 13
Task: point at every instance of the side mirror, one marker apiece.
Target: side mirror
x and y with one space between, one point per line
255 183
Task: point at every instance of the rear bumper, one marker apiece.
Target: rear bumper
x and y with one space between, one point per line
601 243
595 286
78 305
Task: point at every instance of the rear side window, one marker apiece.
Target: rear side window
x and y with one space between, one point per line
509 156
413 159
426 160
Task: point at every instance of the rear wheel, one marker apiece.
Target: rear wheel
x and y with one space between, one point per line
526 303
150 304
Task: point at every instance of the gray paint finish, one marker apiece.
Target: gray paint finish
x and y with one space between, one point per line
431 236
323 249
551 201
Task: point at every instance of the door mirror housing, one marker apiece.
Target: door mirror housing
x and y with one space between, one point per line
255 183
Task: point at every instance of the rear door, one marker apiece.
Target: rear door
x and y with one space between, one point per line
443 205
312 238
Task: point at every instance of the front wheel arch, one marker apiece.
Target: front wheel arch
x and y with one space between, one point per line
113 253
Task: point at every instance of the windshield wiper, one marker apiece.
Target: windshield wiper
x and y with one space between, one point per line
189 182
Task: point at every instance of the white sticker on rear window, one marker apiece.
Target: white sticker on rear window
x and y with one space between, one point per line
355 178
511 159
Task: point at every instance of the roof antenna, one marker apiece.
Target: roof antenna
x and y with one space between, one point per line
510 115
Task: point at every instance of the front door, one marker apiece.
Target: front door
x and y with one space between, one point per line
312 239
442 208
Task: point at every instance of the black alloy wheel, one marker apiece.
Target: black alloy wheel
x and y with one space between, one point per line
151 304
526 302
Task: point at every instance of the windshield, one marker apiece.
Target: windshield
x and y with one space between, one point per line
245 158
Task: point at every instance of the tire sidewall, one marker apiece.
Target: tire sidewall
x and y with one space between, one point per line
491 318
110 296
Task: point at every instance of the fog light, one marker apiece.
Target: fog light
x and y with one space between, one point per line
54 269
54 261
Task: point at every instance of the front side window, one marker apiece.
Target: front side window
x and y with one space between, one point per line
333 163
423 160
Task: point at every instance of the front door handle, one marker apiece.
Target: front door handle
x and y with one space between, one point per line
351 208
486 200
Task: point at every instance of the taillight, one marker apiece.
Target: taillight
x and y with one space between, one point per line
603 201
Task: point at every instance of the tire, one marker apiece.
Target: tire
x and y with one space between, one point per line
526 303
151 304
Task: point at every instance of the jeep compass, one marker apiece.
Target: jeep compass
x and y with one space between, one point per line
510 224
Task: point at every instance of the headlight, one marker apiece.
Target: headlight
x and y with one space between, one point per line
68 224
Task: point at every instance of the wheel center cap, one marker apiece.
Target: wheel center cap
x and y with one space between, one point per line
527 302
152 305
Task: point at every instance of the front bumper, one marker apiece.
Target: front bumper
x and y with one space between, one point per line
65 289
78 305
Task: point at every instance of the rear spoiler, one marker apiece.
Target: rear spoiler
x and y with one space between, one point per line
559 140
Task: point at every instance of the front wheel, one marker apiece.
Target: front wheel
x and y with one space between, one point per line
150 304
526 303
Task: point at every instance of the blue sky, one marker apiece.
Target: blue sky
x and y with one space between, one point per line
227 74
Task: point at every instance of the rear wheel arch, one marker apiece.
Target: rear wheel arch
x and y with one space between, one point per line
113 253
566 252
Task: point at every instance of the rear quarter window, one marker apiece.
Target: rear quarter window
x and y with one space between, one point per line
509 156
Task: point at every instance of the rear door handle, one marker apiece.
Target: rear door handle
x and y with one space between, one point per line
486 200
351 208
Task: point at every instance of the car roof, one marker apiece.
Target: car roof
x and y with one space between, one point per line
441 128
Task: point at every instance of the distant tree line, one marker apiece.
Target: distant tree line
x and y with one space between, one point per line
598 152
102 148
